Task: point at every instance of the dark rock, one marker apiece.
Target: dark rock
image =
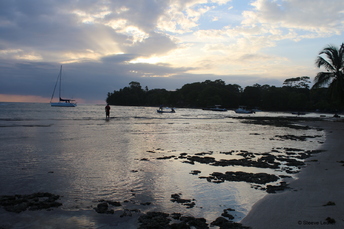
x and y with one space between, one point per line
154 220
204 153
261 163
291 161
165 157
258 178
182 156
330 203
199 223
176 215
226 224
278 121
195 172
190 205
186 202
114 203
35 201
102 208
227 215
330 220
203 160
146 203
227 153
246 154
273 189
296 138
126 212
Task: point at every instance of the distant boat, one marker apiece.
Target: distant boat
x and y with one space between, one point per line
170 110
298 113
216 108
243 110
62 102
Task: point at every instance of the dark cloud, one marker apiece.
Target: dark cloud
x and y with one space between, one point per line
93 80
99 41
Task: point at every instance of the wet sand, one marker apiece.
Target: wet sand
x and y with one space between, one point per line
316 199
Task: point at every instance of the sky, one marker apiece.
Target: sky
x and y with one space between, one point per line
103 45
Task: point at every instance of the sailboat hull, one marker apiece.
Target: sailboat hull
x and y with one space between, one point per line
63 104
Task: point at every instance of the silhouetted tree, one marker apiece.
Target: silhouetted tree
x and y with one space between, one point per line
332 59
298 82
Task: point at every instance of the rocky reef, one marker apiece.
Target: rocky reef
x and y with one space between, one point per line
32 202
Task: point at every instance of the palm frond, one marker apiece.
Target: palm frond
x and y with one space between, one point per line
332 59
341 58
330 51
321 62
323 79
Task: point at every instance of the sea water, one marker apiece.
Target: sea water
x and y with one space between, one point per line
85 158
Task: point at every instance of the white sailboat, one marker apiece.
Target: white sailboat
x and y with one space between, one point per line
61 102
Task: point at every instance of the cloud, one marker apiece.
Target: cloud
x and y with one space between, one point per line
105 44
319 18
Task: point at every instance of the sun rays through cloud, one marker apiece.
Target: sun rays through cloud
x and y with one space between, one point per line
106 44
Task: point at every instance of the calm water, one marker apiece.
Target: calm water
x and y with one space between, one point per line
76 153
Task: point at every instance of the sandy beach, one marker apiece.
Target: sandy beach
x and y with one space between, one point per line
316 198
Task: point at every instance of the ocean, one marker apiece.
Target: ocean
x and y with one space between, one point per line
139 159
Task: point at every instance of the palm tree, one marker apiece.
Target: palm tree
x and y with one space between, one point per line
332 59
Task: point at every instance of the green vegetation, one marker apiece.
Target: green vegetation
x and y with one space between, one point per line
327 94
294 95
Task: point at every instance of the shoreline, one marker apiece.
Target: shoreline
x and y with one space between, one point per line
315 198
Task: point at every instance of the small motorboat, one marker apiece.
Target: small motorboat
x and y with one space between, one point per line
216 108
166 110
298 113
243 110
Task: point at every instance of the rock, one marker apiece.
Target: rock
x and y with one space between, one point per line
102 208
186 202
126 212
330 203
273 189
225 224
198 223
227 215
35 201
154 220
176 215
330 220
114 203
146 203
165 157
195 172
202 160
258 178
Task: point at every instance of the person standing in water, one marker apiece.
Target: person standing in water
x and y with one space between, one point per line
107 111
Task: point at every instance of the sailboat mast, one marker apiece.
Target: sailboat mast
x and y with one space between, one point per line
60 82
57 81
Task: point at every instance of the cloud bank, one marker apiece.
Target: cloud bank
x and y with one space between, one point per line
103 45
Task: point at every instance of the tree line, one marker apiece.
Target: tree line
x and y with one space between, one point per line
294 95
327 93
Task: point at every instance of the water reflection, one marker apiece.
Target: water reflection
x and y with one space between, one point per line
85 158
